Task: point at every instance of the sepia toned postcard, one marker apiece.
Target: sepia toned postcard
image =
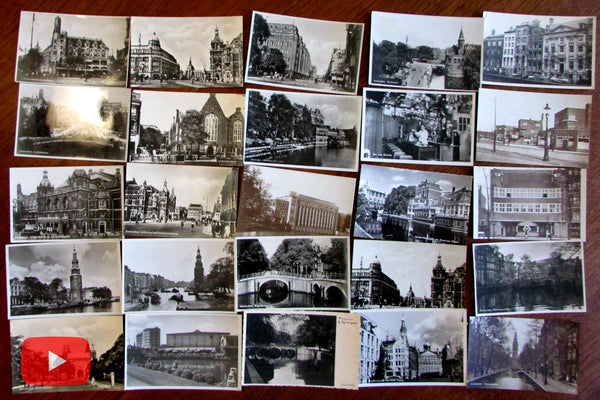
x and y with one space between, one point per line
293 272
176 201
532 128
186 52
72 122
413 347
74 50
168 275
543 51
447 55
186 128
57 203
306 54
319 349
200 351
283 202
418 127
307 130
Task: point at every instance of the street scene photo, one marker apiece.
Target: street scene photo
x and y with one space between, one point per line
523 354
200 351
528 277
538 50
446 55
75 50
190 52
178 274
412 206
412 347
72 122
418 127
301 53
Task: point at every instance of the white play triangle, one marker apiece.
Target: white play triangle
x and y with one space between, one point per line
54 361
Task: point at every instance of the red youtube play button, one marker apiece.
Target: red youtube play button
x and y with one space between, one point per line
55 361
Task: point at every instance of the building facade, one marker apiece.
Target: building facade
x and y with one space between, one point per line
370 286
287 39
430 363
397 356
229 199
492 52
307 214
149 338
226 60
370 348
145 202
447 288
197 339
151 61
572 127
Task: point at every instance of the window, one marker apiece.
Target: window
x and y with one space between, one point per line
237 131
463 123
211 125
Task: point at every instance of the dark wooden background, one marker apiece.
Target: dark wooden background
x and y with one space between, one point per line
339 10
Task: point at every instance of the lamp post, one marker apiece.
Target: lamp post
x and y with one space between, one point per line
546 112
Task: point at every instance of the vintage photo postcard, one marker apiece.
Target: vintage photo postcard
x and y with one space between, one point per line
176 201
190 52
418 127
186 128
413 347
178 275
293 272
55 203
446 55
528 277
319 349
413 275
539 50
72 122
301 53
85 351
75 50
534 128
412 206
200 351
530 354
80 277
308 130
529 203
283 202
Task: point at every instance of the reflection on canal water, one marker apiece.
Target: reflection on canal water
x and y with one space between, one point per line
512 380
315 156
293 299
106 307
190 302
530 299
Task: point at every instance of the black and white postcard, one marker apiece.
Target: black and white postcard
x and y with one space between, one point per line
534 128
283 202
412 206
178 275
528 277
46 279
529 354
186 128
72 122
190 52
104 334
200 351
301 53
75 50
55 203
539 50
308 130
413 347
176 201
418 127
319 349
444 55
388 274
293 272
529 203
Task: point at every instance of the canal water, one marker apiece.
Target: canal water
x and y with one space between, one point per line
511 380
530 299
112 308
315 156
292 299
205 302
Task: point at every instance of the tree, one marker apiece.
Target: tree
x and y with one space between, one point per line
260 33
335 258
15 351
281 116
318 330
260 329
257 122
471 67
274 62
151 138
424 53
57 290
251 257
31 62
396 201
303 127
192 130
254 201
220 277
102 293
111 361
293 253
37 290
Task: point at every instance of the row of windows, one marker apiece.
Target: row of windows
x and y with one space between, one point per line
529 193
545 208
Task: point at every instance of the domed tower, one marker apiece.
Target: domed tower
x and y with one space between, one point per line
76 288
375 266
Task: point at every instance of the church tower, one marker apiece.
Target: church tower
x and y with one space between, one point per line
198 273
461 39
438 279
515 348
76 288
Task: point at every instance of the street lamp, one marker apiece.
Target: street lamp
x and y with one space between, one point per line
547 112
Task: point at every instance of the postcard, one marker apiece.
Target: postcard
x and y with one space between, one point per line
319 349
546 51
412 206
293 272
306 130
418 127
325 56
56 203
186 128
189 52
74 50
446 55
72 122
200 351
532 128
413 347
282 202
